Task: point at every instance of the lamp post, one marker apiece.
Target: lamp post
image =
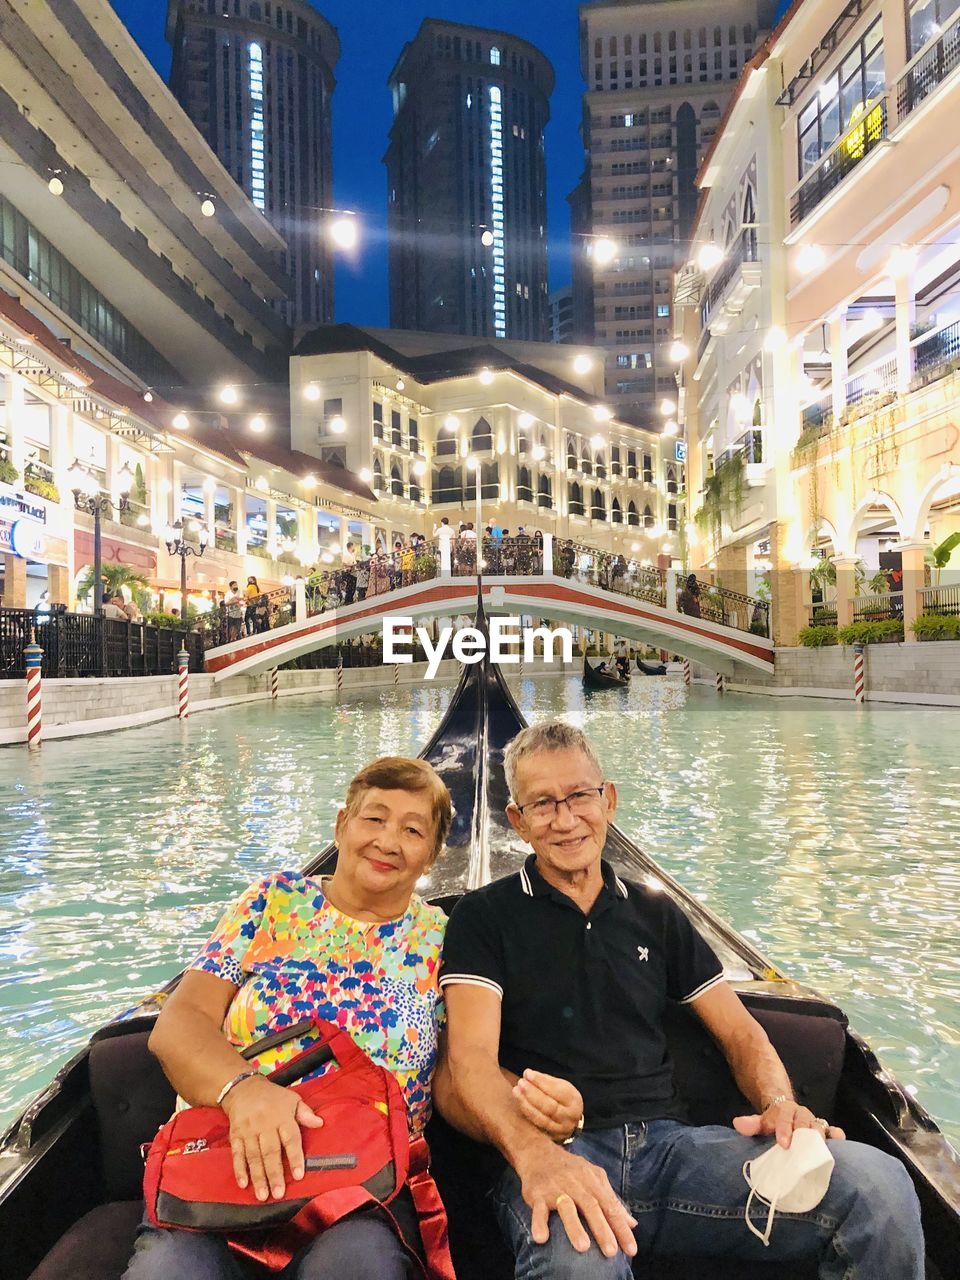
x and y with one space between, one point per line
87 496
177 545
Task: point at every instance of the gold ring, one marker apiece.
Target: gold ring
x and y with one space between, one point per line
563 1196
825 1123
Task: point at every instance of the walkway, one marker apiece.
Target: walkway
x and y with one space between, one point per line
596 590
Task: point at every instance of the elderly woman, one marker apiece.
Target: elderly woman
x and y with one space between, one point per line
359 949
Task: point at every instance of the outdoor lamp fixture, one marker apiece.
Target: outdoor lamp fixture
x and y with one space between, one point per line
582 364
485 376
602 413
603 250
451 422
679 351
88 497
344 231
670 427
311 391
181 422
229 395
667 407
486 239
338 425
55 185
709 256
207 207
257 424
177 545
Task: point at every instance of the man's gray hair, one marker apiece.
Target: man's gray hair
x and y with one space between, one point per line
551 735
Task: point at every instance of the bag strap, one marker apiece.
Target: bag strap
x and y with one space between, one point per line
333 1043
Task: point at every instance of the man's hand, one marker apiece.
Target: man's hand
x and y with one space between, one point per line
265 1122
554 1105
554 1180
782 1118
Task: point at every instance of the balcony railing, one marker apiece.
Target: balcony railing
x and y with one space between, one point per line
856 144
876 381
77 644
945 599
929 71
936 354
878 608
743 249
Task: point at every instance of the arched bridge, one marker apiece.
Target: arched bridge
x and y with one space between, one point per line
591 589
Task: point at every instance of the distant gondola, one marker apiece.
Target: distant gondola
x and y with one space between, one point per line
70 1169
651 668
593 678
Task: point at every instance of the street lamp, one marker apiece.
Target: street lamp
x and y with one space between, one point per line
177 545
87 496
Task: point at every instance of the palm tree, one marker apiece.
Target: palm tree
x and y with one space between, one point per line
117 576
940 555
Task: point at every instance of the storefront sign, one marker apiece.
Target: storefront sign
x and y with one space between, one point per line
20 504
681 451
28 540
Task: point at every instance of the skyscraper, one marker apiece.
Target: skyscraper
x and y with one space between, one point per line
659 74
466 180
256 78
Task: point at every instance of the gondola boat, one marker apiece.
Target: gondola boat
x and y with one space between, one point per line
594 678
652 668
70 1168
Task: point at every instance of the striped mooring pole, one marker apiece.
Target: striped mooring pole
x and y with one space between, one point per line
183 680
396 675
719 682
859 683
274 683
686 672
339 671
33 661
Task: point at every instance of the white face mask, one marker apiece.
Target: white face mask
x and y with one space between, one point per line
792 1179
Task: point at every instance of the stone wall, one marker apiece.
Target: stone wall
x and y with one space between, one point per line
72 708
927 673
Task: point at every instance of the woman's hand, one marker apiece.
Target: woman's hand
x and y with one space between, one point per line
265 1121
554 1105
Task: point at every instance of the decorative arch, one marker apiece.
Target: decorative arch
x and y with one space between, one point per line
749 222
396 480
575 500
632 515
377 475
872 499
524 490
616 512
482 435
919 509
647 517
598 508
544 492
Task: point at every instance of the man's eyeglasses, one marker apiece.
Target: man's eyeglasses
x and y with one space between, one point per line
578 802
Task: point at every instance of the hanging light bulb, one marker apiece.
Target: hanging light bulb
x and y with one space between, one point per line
229 395
679 351
485 376
486 239
604 250
710 256
451 422
338 425
400 384
258 424
311 391
55 186
181 422
667 407
207 207
148 396
582 364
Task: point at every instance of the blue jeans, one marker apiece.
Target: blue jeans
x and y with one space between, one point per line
361 1248
685 1186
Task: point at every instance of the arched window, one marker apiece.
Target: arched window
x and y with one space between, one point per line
672 517
599 466
446 485
482 437
524 491
495 56
586 466
445 445
571 456
490 480
544 492
377 476
616 512
396 481
749 227
632 517
414 488
254 13
647 517
672 486
575 503
598 508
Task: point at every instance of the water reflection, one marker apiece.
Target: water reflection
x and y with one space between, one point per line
825 834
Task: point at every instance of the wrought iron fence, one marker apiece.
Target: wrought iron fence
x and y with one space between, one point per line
878 608
822 616
519 554
76 644
937 352
875 381
731 608
929 71
945 599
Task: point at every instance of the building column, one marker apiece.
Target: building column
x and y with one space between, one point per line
238 498
787 608
912 558
846 588
58 583
14 582
112 459
14 424
209 509
837 324
309 543
905 315
272 528
732 568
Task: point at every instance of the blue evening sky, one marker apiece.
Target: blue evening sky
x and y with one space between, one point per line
371 37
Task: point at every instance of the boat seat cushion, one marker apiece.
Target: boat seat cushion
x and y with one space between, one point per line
97 1247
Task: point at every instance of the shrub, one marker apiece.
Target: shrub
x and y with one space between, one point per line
41 488
936 626
871 632
8 472
817 637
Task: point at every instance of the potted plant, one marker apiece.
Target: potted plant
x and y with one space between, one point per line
8 472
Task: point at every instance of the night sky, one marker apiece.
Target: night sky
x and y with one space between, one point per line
372 33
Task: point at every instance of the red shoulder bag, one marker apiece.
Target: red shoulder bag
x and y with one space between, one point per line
362 1158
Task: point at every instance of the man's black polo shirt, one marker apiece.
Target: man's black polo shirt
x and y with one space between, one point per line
583 995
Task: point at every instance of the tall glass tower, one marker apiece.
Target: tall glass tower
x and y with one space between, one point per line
256 78
466 181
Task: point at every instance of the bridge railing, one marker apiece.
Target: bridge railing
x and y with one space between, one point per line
77 645
733 609
580 563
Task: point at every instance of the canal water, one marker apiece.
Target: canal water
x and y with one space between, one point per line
825 833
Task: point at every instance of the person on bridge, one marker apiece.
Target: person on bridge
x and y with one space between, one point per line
688 601
537 972
252 594
234 604
348 576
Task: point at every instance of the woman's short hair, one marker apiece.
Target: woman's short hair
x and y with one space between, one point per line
401 773
551 735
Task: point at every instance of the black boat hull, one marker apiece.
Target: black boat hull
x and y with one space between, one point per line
651 668
594 679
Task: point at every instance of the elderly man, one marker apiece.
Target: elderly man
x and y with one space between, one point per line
561 973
